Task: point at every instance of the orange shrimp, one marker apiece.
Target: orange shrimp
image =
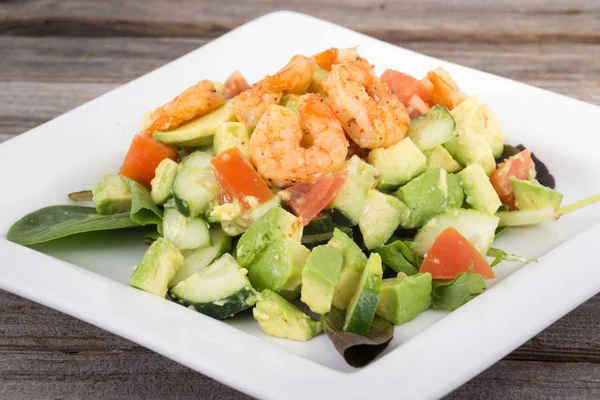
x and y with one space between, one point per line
251 104
326 59
234 85
194 102
295 77
371 115
284 154
443 89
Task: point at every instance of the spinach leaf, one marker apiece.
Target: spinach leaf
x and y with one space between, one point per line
357 350
143 209
55 222
500 256
399 257
452 294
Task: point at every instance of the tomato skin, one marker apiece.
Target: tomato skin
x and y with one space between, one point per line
143 156
520 166
239 179
405 86
307 200
451 254
234 85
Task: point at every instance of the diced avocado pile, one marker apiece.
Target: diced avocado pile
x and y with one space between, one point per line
361 256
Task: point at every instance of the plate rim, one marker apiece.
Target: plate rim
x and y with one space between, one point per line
29 283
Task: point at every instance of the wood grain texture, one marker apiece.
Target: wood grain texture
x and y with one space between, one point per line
451 20
58 54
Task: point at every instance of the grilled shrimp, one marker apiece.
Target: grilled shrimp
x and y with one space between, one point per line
371 115
284 154
194 102
295 77
251 104
234 85
443 89
327 58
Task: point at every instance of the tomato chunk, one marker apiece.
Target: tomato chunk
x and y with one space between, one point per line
143 157
405 86
520 166
238 178
309 199
234 85
451 254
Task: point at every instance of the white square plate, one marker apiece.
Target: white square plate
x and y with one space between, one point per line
86 277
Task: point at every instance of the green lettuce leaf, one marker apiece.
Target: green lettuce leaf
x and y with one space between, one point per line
143 210
500 256
357 350
450 295
399 257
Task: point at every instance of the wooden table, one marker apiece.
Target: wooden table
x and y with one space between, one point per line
55 55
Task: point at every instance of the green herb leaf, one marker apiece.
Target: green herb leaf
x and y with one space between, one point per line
143 209
500 256
83 195
357 350
399 257
55 222
452 294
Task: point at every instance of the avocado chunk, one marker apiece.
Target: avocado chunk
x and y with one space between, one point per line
236 221
273 224
363 305
354 261
162 183
200 131
473 117
382 215
439 157
479 192
277 317
429 194
320 276
403 298
279 268
432 129
530 195
158 266
232 134
112 195
397 164
316 84
291 101
351 200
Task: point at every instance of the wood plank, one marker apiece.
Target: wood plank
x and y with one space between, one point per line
43 349
456 20
45 77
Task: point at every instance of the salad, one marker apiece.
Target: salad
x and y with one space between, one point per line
323 197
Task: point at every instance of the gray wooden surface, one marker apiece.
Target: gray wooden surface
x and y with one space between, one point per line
55 55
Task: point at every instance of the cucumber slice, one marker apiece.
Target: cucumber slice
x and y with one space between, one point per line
220 290
202 258
351 200
198 132
185 233
195 185
318 231
382 215
232 134
162 183
477 227
363 306
432 129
